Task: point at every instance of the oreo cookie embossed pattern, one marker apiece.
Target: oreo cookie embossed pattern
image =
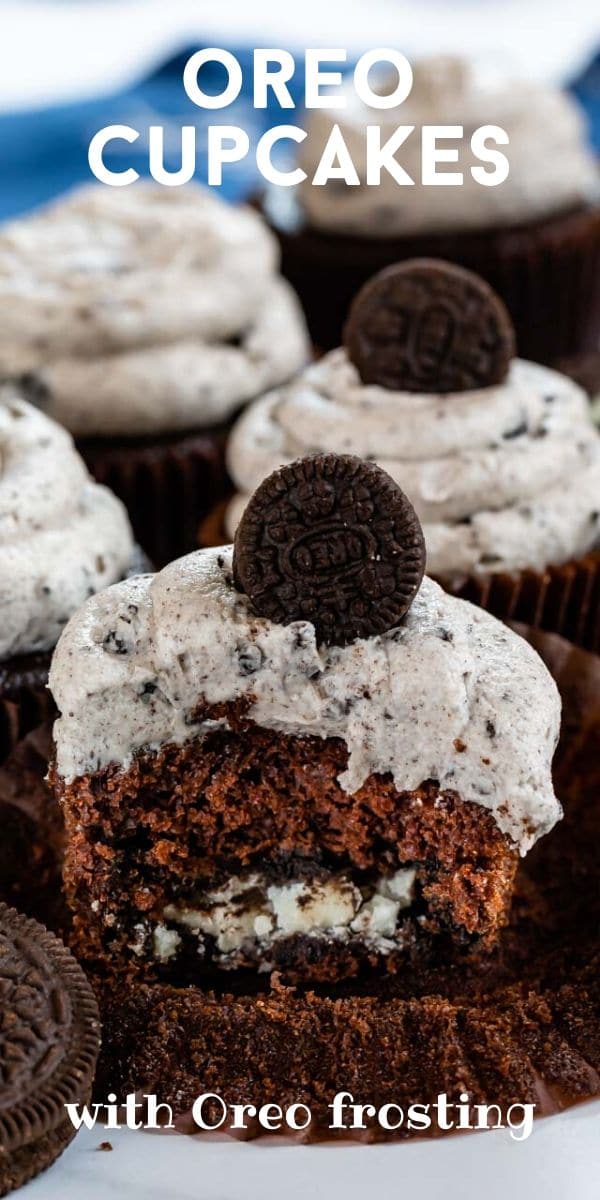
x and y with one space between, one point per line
331 540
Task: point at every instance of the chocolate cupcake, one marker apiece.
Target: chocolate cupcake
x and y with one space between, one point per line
62 538
142 320
535 238
304 757
499 456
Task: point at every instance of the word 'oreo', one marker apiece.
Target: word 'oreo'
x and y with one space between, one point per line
49 1039
333 540
429 326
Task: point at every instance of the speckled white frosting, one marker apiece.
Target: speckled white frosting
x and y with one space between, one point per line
451 695
62 536
145 310
551 167
503 478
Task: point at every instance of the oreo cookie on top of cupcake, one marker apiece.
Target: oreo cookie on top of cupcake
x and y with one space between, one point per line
535 237
304 756
499 456
142 319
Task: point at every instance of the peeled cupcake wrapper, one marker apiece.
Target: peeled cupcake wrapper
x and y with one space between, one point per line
545 1023
166 486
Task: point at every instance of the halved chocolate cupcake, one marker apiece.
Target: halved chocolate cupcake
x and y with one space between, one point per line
499 456
143 321
296 754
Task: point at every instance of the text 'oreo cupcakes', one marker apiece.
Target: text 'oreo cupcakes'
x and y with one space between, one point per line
142 320
62 538
535 237
499 456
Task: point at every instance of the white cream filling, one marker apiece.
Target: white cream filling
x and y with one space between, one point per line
333 908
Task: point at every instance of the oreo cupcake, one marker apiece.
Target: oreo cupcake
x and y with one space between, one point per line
314 771
499 456
535 238
304 757
62 538
142 320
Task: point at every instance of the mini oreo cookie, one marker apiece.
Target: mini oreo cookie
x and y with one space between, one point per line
332 540
49 1042
429 326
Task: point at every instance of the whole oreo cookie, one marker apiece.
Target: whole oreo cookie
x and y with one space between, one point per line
49 1039
429 326
333 540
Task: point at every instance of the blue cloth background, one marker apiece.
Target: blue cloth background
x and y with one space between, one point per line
42 153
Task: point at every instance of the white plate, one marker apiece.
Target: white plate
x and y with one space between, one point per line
560 1161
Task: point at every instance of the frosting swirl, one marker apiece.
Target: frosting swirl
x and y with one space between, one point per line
148 311
451 694
503 478
62 536
551 167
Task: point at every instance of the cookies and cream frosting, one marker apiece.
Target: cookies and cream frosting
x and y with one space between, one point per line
451 694
502 478
144 310
62 536
551 166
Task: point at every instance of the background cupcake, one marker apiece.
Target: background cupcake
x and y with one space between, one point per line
62 538
535 237
503 469
142 319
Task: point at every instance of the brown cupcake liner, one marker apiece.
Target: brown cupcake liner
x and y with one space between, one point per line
562 599
547 273
517 1024
25 701
32 843
167 485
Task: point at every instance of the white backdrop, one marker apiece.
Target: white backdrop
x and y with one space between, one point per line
54 51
